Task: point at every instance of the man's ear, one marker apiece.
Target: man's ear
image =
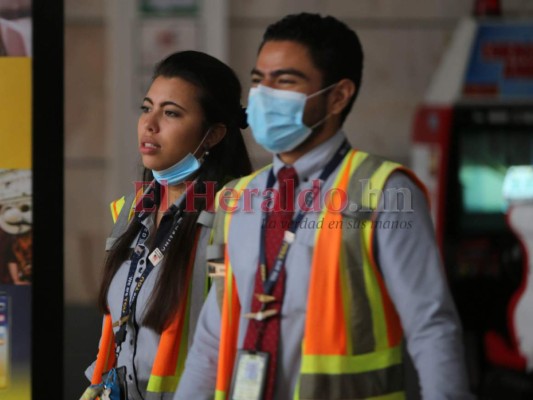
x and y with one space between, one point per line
340 96
216 134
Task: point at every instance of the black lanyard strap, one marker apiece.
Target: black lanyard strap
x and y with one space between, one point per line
288 238
166 232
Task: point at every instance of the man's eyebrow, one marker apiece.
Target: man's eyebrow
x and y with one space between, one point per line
255 71
284 71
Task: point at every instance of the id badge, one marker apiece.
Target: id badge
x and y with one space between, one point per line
249 375
115 387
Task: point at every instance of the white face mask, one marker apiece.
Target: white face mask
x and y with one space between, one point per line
180 171
276 117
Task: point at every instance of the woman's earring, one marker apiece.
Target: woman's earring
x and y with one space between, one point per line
204 156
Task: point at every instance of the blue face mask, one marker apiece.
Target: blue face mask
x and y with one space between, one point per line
180 171
276 117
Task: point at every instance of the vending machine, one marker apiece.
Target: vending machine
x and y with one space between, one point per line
474 125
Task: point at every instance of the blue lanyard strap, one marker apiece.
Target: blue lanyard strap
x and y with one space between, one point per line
270 281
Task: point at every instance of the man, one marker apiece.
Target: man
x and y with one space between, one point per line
355 273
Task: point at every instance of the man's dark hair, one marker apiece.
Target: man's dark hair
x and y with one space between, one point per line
335 49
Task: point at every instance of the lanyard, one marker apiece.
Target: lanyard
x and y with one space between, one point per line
288 238
162 236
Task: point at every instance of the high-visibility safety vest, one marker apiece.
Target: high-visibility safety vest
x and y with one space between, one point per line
353 339
171 353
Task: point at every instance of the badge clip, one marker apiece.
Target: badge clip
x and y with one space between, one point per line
215 269
264 298
261 315
289 236
139 249
121 321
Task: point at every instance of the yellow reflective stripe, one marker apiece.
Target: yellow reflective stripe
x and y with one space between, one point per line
346 299
377 181
296 394
390 396
159 384
220 395
358 158
138 197
212 232
373 293
239 187
379 321
332 364
115 207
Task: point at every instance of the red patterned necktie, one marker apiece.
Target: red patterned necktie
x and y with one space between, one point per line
264 335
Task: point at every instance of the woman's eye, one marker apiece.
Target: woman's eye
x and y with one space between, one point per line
172 114
145 109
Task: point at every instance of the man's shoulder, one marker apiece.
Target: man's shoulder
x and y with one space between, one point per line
380 158
248 179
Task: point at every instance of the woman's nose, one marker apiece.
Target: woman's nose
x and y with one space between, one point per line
151 123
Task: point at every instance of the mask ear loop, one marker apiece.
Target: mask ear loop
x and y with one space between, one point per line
204 155
320 122
327 115
323 90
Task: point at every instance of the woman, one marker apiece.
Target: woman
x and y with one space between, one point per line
154 280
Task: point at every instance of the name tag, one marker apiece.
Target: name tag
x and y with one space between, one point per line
249 375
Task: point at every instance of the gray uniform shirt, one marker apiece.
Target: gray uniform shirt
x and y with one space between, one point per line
140 347
412 270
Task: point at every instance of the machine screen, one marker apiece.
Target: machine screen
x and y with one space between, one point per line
485 157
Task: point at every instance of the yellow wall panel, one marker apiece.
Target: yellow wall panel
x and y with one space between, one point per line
15 112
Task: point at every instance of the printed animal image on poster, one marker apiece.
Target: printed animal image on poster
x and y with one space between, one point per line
15 28
15 227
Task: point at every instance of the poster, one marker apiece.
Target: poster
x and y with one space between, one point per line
16 217
501 62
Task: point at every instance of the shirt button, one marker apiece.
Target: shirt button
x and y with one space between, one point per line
141 262
130 377
131 342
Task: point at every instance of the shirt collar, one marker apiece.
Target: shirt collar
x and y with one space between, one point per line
149 221
312 162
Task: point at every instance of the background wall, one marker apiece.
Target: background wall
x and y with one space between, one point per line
403 42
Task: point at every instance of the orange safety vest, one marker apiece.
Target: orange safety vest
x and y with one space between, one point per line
352 344
171 353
